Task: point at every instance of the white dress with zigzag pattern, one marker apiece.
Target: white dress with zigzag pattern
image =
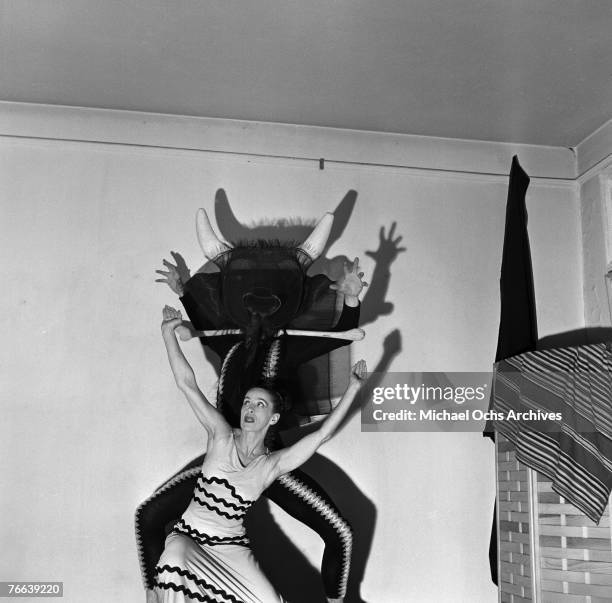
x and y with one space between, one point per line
206 556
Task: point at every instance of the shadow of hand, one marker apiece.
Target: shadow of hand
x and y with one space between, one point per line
373 303
388 247
392 343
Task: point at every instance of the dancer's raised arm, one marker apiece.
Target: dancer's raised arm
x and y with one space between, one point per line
292 457
206 413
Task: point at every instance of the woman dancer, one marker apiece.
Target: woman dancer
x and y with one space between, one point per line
206 557
277 360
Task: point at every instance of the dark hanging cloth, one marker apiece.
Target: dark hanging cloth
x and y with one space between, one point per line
518 329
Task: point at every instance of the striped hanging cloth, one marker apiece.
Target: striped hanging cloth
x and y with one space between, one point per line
575 452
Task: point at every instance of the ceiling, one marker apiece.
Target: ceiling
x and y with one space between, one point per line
526 71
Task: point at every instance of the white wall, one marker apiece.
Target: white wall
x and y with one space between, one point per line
92 420
594 161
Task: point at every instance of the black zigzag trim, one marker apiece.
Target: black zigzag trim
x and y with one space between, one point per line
222 481
199 581
202 538
183 589
176 479
220 500
203 503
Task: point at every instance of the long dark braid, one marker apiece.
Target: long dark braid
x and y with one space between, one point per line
270 381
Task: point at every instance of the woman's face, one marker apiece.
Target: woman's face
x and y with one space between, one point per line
257 411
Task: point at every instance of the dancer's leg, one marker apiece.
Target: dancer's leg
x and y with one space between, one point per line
305 500
165 505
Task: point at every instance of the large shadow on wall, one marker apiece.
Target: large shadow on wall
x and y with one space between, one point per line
280 558
314 376
285 230
374 302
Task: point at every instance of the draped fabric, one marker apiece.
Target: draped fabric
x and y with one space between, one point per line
518 330
575 452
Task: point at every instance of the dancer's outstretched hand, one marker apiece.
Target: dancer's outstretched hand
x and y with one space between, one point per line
172 318
359 372
172 276
351 282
